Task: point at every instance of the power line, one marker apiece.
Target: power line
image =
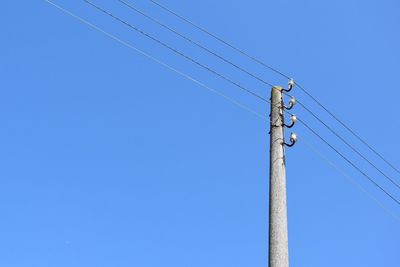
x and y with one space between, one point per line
132 7
349 178
218 38
302 88
130 46
349 129
211 89
350 162
258 78
348 144
177 51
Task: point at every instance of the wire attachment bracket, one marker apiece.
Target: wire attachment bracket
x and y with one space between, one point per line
293 140
293 119
292 103
291 85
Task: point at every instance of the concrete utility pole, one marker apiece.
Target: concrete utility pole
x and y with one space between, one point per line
278 229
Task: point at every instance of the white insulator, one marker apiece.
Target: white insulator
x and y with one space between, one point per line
291 83
293 138
292 101
293 118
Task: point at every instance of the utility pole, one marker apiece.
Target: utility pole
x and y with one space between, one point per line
278 226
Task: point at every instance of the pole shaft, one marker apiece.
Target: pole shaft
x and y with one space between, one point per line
278 229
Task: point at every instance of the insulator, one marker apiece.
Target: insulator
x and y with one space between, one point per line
293 119
292 102
291 84
293 138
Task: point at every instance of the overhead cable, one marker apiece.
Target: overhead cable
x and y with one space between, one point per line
302 88
158 61
132 7
350 162
177 51
349 178
348 144
218 38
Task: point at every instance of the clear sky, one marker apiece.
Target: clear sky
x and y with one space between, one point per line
108 159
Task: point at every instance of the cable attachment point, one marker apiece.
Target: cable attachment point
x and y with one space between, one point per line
292 102
293 140
291 84
293 119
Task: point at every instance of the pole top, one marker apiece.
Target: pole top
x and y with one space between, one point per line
277 87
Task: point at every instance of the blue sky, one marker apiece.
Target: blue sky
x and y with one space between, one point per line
108 159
